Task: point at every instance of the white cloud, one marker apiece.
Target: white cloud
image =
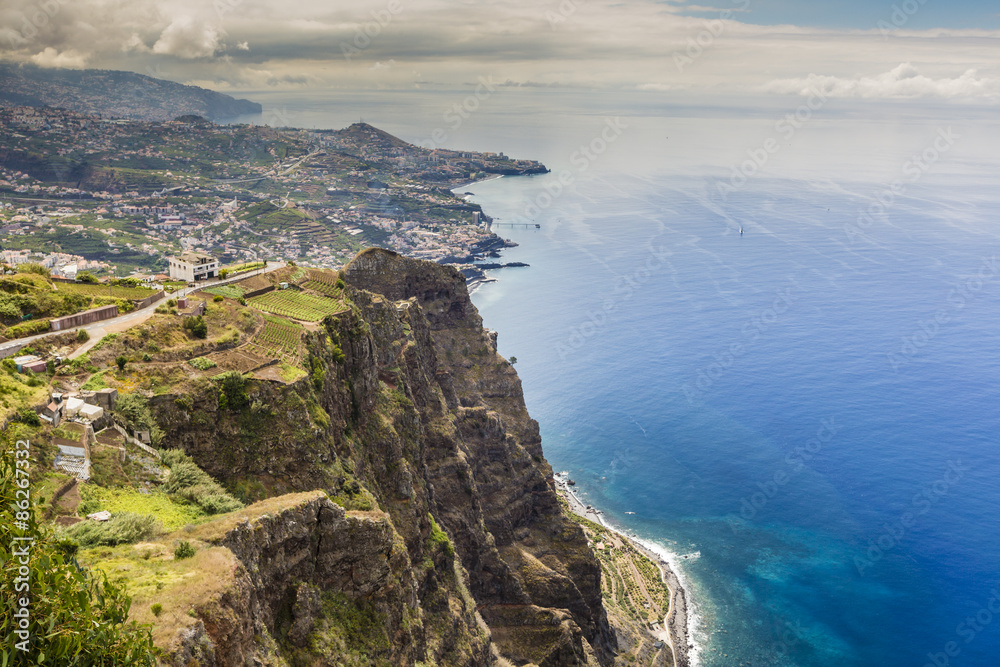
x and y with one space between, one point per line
903 81
187 38
135 44
50 57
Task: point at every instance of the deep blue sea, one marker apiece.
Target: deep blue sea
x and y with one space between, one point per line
807 414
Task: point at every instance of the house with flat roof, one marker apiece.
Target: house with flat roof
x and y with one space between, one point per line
192 266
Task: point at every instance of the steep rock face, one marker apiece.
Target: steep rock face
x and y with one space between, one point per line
299 557
491 485
410 413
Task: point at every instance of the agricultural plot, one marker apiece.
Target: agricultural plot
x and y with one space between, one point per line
234 291
298 306
323 288
130 293
278 339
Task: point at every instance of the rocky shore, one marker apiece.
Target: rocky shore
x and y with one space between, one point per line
676 622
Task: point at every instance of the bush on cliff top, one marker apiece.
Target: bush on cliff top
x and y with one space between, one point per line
191 483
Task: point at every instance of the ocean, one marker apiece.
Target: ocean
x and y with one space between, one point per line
762 336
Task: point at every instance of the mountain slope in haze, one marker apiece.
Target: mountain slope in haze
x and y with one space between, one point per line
114 94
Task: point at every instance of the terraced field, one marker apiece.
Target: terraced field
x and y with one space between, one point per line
130 293
232 291
297 306
323 288
278 339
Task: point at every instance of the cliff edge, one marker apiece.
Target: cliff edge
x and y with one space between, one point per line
430 526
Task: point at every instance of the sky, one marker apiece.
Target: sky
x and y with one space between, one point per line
892 49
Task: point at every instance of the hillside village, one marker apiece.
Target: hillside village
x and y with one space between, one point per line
116 197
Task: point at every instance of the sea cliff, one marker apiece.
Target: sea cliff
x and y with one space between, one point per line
433 519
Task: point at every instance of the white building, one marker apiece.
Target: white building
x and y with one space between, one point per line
192 266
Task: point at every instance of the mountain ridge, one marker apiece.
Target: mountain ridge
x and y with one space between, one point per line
114 94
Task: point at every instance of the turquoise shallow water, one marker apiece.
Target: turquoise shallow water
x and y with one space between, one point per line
806 411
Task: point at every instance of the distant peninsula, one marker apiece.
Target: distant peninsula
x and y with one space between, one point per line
114 94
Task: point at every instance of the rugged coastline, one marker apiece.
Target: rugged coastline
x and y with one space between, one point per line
675 631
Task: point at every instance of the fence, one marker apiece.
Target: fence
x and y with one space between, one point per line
135 441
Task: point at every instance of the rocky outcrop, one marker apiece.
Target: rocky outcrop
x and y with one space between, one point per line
443 519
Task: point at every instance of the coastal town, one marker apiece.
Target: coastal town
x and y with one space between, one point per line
112 197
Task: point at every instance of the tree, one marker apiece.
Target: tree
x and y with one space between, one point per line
197 326
513 360
223 273
121 360
86 277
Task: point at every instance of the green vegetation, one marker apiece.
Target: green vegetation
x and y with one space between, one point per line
296 305
439 538
193 484
234 291
75 617
113 291
122 528
197 326
183 550
172 511
202 363
329 290
278 338
233 391
134 410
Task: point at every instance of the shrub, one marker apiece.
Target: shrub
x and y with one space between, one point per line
234 392
172 303
191 483
86 277
123 528
197 326
440 539
120 361
32 267
146 357
82 336
27 416
183 550
157 608
340 283
218 298
202 363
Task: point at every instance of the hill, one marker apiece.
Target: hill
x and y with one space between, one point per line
115 94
